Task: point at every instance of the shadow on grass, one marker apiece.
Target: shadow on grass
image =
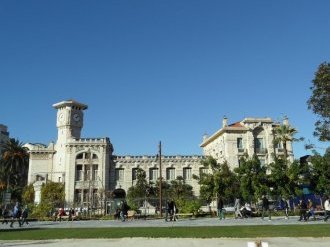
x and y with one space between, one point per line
21 229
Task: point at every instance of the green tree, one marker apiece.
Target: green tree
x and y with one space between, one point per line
222 181
285 180
320 181
253 179
319 102
137 193
28 194
15 165
53 194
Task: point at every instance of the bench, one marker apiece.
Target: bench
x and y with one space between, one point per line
66 217
184 215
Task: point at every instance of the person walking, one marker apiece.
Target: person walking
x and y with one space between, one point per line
327 208
124 210
16 215
265 208
302 210
220 208
286 208
25 214
5 215
237 207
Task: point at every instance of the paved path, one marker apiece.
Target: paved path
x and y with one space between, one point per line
164 242
161 223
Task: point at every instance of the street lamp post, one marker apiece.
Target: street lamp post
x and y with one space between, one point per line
160 179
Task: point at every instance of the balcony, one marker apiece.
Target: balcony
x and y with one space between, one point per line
260 150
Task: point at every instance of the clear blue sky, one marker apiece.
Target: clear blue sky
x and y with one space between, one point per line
160 69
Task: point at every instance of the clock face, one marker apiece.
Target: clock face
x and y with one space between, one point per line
76 117
61 117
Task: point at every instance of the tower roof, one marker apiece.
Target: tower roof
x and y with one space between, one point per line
70 102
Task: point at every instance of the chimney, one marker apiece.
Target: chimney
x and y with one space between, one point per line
224 122
205 136
286 121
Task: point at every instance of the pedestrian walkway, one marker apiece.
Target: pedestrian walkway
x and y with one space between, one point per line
187 222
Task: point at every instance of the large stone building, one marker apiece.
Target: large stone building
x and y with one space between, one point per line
88 167
249 136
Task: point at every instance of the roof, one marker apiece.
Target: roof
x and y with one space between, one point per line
70 102
236 125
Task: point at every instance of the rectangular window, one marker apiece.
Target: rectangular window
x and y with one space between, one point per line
153 174
79 173
78 196
95 173
120 174
203 171
259 146
170 173
87 173
134 174
187 174
240 145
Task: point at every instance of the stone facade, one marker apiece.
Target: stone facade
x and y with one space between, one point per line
89 169
249 136
124 170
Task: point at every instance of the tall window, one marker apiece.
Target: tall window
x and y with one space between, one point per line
240 144
79 173
203 171
170 173
153 174
87 172
119 174
134 173
95 173
259 145
78 196
187 174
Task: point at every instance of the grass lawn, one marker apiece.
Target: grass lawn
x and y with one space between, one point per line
321 230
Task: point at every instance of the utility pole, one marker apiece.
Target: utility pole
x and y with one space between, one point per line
160 180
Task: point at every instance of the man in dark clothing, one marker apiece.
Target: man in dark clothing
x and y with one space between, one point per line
124 209
302 210
265 207
220 208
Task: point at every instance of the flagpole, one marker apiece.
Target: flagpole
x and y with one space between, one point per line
160 180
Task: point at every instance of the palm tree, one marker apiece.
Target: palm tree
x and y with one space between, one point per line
283 134
15 163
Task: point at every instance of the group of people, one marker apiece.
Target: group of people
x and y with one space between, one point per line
122 211
171 211
61 213
306 209
16 215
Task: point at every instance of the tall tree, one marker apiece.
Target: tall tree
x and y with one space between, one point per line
285 179
253 179
222 181
320 170
319 102
137 193
15 162
284 133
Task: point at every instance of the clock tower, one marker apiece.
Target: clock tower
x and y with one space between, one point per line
69 121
